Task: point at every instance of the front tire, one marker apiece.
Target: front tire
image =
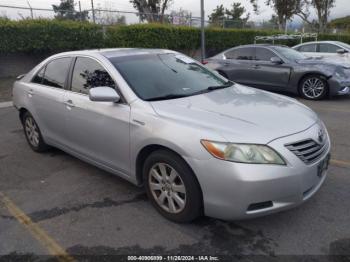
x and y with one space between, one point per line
172 187
33 134
313 87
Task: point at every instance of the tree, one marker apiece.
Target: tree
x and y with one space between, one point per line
217 17
151 10
223 17
235 14
66 11
323 8
284 9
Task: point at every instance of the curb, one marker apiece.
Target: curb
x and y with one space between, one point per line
6 104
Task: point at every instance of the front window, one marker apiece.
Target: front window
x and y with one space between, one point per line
157 76
88 74
289 53
263 54
328 48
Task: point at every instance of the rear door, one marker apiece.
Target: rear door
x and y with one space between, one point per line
98 131
238 65
268 75
46 93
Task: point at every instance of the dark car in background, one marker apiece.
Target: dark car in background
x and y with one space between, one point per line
280 68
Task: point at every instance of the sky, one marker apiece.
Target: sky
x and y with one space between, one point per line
342 7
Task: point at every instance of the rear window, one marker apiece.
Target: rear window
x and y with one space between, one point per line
54 74
307 48
246 53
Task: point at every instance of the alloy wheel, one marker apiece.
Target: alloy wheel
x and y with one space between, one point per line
313 88
167 188
32 131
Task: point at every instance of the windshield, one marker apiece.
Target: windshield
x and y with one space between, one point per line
165 76
289 53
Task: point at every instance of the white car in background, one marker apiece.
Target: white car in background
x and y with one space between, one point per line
325 49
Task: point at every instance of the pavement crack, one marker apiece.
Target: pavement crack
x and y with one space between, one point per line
41 215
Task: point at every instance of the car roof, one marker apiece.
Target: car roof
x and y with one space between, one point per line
321 42
118 52
259 45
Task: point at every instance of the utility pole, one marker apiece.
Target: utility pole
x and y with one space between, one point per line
93 11
202 32
31 10
80 14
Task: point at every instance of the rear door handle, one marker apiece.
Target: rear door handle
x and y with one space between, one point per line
69 103
30 92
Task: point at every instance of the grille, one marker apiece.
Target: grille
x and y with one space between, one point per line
308 151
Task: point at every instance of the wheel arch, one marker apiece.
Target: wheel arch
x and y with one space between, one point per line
303 76
149 149
22 111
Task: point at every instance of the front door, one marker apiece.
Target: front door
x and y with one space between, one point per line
98 131
238 65
268 75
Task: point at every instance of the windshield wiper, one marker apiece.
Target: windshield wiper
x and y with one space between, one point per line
226 85
174 96
166 97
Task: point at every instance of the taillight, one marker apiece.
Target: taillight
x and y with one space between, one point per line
204 62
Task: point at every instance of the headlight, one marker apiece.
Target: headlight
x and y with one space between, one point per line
243 153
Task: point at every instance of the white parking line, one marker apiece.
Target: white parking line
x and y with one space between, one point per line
6 104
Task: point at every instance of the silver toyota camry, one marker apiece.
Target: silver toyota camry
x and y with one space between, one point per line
198 143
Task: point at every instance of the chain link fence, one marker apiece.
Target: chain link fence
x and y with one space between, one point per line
109 16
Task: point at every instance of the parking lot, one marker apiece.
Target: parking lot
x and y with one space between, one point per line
54 201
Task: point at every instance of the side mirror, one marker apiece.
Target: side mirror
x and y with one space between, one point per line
342 51
276 60
103 94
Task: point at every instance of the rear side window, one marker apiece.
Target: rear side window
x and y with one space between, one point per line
54 73
38 79
307 48
328 48
87 74
241 54
263 54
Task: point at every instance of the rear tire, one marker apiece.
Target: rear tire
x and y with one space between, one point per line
33 134
172 187
313 87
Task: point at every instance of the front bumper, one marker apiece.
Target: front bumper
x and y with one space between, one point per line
234 191
339 86
344 91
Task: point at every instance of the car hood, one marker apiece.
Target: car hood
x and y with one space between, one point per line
240 114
